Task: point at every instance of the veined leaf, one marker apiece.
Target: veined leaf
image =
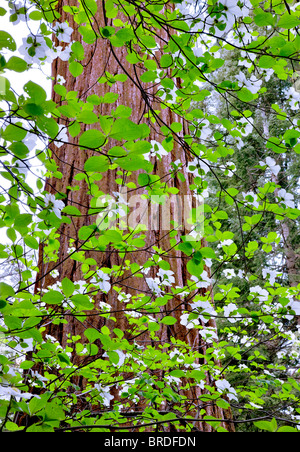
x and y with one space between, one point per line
97 163
92 139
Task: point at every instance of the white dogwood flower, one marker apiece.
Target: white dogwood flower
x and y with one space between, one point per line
270 275
293 97
205 308
62 136
63 32
231 307
34 49
123 297
102 280
55 204
64 54
261 293
54 273
225 386
196 165
250 198
184 320
252 84
286 197
229 273
17 12
8 392
166 277
60 79
203 281
153 285
271 163
104 393
231 8
157 150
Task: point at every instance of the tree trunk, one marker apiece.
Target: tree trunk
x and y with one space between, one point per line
70 160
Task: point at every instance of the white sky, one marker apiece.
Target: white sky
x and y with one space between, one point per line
18 80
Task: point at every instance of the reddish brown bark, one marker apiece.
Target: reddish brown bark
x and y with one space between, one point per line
70 160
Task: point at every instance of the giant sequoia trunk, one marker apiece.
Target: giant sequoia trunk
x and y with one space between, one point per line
70 160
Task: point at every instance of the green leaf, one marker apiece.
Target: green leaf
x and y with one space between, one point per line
148 76
287 429
68 287
177 373
36 15
117 151
27 364
113 357
133 163
53 411
31 242
92 334
14 132
107 31
33 109
153 326
198 375
207 252
266 61
267 319
143 179
12 427
91 6
276 145
78 50
72 210
16 64
148 41
11 234
270 426
82 302
52 297
168 320
87 117
97 163
124 129
6 291
195 267
245 95
7 41
2 304
288 21
22 220
75 68
88 34
223 404
166 60
36 93
186 248
121 37
92 139
110 98
263 19
19 149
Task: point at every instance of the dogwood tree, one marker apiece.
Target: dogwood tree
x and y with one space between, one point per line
113 319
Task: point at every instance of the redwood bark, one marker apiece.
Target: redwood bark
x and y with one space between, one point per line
70 160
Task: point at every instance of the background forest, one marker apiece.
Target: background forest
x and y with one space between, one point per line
149 253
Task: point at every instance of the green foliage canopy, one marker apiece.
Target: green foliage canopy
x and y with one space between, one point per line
253 311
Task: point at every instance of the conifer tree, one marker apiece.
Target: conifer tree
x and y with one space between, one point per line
157 179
